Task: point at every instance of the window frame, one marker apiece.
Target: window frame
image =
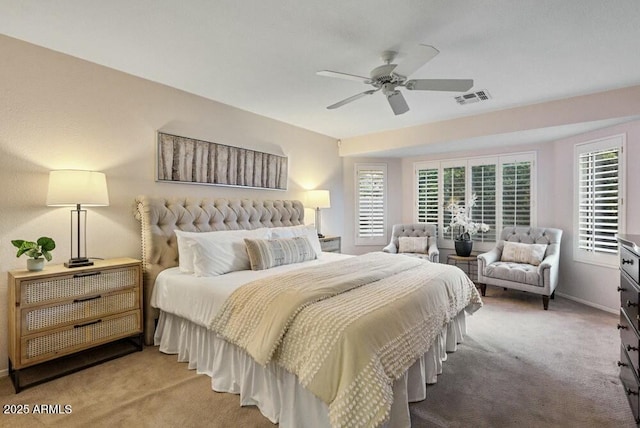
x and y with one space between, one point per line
468 162
614 141
374 240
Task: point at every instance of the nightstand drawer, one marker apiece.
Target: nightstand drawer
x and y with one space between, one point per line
630 264
77 310
62 287
629 382
73 338
330 244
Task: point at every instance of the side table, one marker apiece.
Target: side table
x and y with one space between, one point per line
469 265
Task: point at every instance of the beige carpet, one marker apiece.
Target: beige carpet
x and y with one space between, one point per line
519 366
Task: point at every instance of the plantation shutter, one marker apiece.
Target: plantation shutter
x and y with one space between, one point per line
427 203
598 196
371 221
453 190
483 185
516 194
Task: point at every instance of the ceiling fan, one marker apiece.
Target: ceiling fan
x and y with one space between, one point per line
389 77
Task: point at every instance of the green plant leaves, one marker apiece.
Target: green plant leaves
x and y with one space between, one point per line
42 247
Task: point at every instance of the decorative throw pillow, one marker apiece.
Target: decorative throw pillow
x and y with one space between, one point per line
268 253
413 244
523 253
217 253
308 230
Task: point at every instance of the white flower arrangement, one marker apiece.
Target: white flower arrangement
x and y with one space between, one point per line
461 220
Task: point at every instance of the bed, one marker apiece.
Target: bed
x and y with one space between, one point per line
346 355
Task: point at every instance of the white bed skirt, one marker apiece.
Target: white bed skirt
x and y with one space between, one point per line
275 391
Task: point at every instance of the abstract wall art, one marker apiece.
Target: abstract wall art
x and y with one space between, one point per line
188 160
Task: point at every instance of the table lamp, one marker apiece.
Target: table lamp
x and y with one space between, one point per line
77 188
318 199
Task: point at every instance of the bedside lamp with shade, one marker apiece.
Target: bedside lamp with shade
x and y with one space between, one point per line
318 199
78 188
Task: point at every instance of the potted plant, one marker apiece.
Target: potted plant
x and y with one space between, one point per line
35 251
462 223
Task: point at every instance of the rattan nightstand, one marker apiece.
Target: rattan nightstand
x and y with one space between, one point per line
60 312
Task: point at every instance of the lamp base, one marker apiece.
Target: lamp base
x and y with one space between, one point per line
78 262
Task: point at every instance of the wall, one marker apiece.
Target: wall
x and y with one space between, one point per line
61 112
593 285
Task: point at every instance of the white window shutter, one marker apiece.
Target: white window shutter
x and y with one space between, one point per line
371 204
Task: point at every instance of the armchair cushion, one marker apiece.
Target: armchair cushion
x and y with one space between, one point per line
523 253
413 244
514 272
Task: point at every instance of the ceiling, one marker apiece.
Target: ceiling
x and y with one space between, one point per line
262 55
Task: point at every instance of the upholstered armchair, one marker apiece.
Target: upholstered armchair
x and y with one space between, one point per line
424 246
525 259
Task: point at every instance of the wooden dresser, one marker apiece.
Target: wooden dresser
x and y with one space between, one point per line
59 312
629 325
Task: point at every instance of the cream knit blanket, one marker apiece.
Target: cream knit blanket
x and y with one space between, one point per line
348 329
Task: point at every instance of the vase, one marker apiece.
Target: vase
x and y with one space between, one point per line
463 247
35 265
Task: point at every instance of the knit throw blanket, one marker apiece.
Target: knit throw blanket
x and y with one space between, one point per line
348 329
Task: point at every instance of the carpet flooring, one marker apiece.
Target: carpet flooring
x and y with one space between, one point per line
519 366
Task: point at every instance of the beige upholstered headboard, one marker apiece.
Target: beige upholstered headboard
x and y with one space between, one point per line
159 217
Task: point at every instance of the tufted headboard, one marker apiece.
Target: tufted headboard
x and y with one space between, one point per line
159 217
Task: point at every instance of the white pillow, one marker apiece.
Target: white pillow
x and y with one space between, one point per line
413 244
523 253
185 255
216 253
308 230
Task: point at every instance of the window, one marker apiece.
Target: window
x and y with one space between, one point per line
504 186
453 189
483 185
371 218
427 204
516 194
598 200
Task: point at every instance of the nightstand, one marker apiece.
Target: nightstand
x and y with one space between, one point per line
469 265
330 244
61 320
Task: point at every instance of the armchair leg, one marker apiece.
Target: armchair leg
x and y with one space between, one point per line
545 302
553 295
483 289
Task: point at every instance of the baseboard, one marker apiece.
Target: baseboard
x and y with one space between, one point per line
586 302
4 372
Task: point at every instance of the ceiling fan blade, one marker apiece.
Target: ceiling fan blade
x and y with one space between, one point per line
454 85
418 56
397 103
329 73
352 98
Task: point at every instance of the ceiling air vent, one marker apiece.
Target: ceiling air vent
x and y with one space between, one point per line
473 97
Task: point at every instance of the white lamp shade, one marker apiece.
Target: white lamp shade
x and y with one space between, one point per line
318 199
72 187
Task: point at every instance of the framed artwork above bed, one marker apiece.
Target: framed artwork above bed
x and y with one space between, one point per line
188 160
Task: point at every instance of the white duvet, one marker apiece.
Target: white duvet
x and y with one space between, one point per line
198 299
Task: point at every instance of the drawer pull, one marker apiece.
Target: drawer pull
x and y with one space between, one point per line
627 262
622 289
86 324
622 327
630 304
631 348
621 364
85 299
631 392
83 274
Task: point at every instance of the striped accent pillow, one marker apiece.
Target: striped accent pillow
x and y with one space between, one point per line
268 253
